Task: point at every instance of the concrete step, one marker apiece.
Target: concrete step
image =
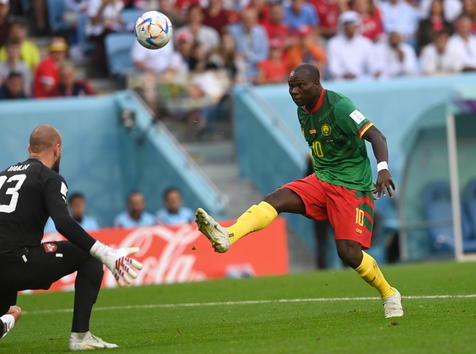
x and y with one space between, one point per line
211 152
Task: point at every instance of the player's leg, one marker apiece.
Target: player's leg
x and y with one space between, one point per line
257 217
367 268
351 215
53 260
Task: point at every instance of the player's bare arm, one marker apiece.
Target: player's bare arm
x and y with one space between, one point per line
385 184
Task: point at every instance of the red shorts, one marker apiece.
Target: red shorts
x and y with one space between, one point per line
350 212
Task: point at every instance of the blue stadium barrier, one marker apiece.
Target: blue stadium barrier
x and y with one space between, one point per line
118 51
469 208
437 211
102 158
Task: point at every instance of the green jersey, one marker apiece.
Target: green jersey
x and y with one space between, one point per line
334 130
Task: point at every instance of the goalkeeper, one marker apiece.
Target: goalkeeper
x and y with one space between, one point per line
340 189
30 192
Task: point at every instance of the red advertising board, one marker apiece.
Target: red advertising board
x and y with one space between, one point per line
181 253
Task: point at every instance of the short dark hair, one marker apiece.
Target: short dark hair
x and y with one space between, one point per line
14 74
170 190
75 195
311 69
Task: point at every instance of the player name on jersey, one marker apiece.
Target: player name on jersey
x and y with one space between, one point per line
17 168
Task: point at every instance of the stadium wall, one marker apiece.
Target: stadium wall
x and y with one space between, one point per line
401 108
102 158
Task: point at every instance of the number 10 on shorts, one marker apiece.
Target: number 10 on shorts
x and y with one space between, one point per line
359 217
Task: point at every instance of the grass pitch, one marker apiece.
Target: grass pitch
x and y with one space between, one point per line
156 319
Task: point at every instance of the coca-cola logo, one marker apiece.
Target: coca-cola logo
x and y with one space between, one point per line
171 264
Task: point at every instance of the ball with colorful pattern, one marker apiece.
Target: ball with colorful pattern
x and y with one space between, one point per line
153 30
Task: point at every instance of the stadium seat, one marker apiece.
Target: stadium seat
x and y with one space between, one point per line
129 17
55 15
438 215
118 51
469 223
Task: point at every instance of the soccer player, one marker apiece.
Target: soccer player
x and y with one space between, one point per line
30 192
340 189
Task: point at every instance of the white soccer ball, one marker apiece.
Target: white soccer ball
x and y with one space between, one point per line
153 30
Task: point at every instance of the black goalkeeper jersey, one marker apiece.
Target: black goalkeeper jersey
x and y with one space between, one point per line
30 192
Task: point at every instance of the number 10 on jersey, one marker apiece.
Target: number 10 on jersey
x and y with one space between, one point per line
317 149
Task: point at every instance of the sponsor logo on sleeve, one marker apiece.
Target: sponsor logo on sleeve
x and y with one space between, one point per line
357 117
64 191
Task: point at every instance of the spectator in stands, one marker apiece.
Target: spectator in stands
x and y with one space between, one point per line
306 50
47 73
452 9
155 66
30 54
251 41
399 14
216 17
328 13
72 8
77 209
463 43
104 17
69 85
469 9
274 26
433 23
173 211
14 63
262 9
12 88
4 21
273 70
350 55
398 58
135 215
299 13
437 59
209 85
39 9
226 58
173 13
371 18
185 46
206 36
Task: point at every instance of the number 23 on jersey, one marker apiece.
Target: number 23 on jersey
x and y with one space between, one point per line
17 182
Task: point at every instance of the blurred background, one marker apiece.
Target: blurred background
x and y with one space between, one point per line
150 135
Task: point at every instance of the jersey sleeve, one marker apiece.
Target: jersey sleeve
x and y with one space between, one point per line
55 193
350 119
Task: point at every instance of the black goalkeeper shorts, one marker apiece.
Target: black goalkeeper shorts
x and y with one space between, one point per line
37 268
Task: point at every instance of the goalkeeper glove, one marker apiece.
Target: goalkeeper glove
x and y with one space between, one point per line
122 267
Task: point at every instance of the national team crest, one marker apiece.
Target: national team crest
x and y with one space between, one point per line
50 247
326 129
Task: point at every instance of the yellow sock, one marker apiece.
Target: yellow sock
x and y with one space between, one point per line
257 217
371 273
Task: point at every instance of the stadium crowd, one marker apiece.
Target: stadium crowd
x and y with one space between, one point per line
222 42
